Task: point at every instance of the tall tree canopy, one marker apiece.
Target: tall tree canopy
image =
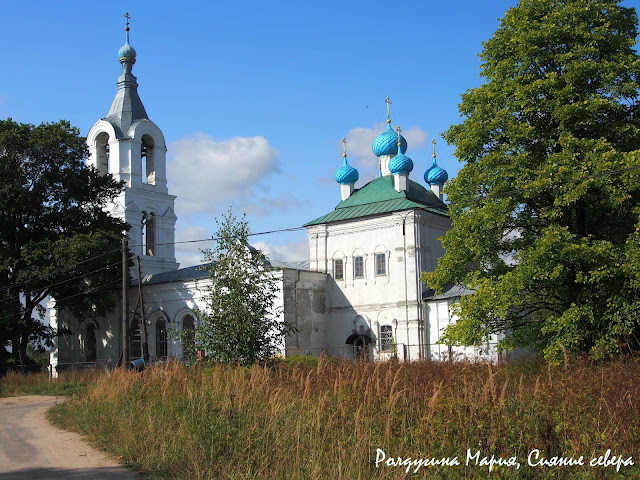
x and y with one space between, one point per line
240 323
545 211
56 237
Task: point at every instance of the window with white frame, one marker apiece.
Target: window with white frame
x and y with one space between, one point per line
338 269
381 264
386 338
161 339
358 267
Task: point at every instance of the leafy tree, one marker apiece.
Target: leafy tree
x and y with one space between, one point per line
546 211
240 323
56 237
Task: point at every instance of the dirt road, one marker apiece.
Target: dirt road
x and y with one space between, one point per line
31 448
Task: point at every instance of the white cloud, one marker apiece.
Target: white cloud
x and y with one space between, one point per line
359 140
188 254
204 172
266 206
415 137
297 251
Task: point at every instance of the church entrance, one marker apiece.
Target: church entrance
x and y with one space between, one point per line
360 344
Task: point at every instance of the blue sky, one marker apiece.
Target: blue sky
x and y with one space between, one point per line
254 97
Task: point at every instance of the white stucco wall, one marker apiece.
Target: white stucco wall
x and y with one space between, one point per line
438 317
356 305
173 301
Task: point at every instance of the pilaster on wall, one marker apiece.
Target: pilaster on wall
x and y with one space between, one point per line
134 161
318 260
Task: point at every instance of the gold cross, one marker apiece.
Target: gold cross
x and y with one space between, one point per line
344 147
128 18
388 109
399 142
433 140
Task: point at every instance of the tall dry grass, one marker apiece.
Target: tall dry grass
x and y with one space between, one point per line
301 422
68 383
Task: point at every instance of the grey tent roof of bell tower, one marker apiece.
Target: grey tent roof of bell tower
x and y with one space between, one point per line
126 108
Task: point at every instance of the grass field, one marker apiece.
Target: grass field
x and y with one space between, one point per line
15 384
334 420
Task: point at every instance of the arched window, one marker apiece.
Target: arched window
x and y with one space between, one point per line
161 339
102 153
188 330
147 156
90 343
149 233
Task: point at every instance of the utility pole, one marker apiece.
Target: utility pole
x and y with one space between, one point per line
143 320
125 303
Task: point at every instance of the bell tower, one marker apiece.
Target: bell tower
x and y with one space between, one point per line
132 148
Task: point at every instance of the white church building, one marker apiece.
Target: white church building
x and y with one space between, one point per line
361 295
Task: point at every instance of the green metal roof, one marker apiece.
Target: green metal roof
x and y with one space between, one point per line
378 197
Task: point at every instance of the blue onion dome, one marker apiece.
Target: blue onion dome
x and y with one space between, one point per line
346 173
127 51
436 175
386 143
400 163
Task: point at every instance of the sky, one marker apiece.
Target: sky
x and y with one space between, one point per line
253 97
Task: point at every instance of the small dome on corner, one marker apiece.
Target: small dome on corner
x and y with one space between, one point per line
346 174
436 175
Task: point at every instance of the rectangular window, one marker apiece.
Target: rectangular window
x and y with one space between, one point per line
161 339
338 269
358 267
386 338
381 264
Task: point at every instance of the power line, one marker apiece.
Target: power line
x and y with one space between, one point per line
66 298
462 201
292 229
215 239
65 281
118 263
27 282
